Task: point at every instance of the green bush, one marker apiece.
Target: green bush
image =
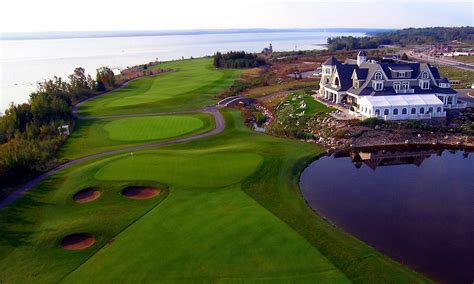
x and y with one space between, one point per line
371 122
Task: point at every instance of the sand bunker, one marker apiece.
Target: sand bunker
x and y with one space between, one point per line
78 241
86 195
140 192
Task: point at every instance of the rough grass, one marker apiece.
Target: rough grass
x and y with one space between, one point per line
453 73
268 90
193 84
465 59
99 135
312 106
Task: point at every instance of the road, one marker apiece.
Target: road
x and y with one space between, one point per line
463 94
440 60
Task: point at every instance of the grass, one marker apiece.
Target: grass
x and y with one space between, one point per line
268 90
241 219
99 135
193 84
452 73
312 108
230 211
465 59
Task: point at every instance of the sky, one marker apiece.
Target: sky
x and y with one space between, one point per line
120 15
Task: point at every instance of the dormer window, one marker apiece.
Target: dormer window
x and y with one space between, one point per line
355 84
378 76
424 75
377 86
425 85
397 86
401 74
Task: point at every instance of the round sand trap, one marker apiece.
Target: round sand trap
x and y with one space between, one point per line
140 192
78 241
86 195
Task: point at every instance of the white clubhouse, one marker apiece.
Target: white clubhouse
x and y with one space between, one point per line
387 90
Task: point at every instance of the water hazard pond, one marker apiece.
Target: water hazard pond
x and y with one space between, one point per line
414 205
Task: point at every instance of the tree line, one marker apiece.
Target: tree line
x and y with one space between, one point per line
403 37
237 59
29 135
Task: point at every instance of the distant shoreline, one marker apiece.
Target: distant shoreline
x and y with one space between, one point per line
109 34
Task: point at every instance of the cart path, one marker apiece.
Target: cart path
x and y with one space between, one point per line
214 111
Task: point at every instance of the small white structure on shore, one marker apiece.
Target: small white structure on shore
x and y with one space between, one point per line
64 130
268 50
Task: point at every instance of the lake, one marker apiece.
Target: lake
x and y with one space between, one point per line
414 205
25 62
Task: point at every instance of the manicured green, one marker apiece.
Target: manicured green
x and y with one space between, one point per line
230 211
193 84
99 135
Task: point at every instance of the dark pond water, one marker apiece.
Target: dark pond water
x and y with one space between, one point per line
417 205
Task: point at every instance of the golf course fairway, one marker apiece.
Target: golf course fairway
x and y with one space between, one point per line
228 209
193 84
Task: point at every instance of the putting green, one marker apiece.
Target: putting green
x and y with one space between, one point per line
151 128
100 135
204 170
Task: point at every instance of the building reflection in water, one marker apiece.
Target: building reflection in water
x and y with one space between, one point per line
383 157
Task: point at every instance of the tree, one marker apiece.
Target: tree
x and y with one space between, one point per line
105 78
55 87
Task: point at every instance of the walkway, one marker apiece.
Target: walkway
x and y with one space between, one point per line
234 100
343 113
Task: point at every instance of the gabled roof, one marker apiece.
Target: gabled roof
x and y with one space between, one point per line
361 73
399 67
362 53
444 80
413 67
434 71
345 73
332 61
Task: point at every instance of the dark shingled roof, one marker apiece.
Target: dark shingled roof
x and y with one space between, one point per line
444 80
362 53
345 73
387 67
434 71
399 67
361 73
331 61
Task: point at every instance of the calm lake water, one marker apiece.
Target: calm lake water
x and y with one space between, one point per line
417 206
25 62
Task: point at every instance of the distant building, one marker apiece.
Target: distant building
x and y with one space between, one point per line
64 130
390 91
268 50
